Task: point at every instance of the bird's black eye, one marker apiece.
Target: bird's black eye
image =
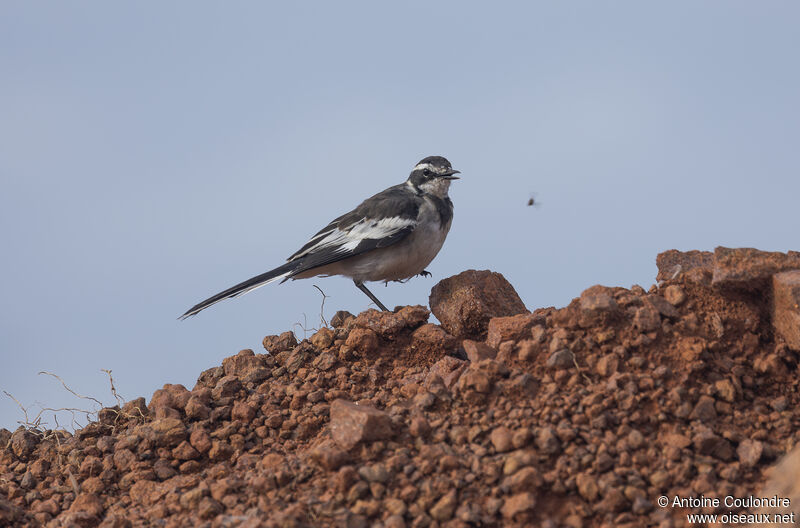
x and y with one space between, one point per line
426 172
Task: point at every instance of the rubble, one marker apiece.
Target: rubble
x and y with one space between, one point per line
581 416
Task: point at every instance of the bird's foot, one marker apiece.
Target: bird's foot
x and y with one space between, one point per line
425 273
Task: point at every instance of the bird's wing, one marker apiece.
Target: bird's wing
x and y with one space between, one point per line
379 221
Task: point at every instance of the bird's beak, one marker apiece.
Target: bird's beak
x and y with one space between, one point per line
450 174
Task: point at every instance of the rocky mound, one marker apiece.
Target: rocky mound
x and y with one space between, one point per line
580 416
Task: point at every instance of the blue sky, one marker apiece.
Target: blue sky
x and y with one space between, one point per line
152 154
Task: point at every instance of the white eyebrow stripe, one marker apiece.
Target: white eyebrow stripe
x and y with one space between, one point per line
423 166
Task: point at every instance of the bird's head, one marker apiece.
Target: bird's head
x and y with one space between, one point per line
433 175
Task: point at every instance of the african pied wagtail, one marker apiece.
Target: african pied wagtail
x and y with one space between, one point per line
389 237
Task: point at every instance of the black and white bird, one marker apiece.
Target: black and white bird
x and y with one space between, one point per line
391 236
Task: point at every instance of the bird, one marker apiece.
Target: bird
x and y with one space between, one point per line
390 237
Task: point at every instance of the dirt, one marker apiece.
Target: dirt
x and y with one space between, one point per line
581 416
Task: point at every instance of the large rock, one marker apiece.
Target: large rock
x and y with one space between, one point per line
786 306
352 424
465 303
783 483
674 263
748 268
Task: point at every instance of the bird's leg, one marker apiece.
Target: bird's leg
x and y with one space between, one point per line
425 273
360 286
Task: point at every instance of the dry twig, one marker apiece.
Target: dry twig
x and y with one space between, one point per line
98 402
322 307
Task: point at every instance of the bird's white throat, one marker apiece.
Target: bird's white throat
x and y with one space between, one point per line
437 187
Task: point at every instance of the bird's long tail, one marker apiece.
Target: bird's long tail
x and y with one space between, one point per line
281 272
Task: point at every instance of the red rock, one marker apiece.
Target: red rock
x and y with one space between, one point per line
748 268
431 340
477 351
528 349
340 318
674 294
220 450
146 492
445 507
167 412
419 427
166 432
749 452
561 359
88 503
664 307
180 395
707 443
466 302
519 504
394 521
200 439
704 410
226 486
168 401
351 424
124 459
160 398
501 439
786 307
244 364
10 513
79 519
388 324
244 411
49 506
185 451
323 338
691 348
23 443
646 318
329 457
449 369
511 328
547 441
226 386
674 263
196 409
279 343
525 479
362 340
613 501
597 305
587 486
116 521
607 365
783 482
675 440
475 380
91 465
38 468
209 508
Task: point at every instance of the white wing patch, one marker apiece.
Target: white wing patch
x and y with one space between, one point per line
343 241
